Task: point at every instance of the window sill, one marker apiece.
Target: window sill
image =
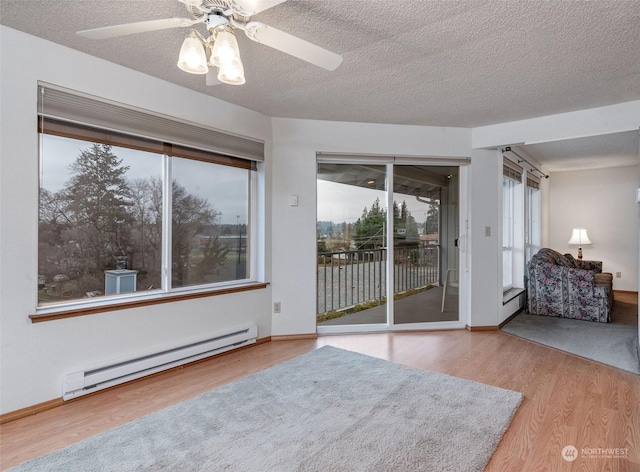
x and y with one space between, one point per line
165 298
511 294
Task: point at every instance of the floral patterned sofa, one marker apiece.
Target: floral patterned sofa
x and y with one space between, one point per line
562 286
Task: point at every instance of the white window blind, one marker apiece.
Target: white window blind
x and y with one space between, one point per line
342 158
64 106
511 170
533 181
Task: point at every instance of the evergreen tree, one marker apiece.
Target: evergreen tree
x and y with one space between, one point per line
321 246
96 204
369 228
214 255
433 217
98 192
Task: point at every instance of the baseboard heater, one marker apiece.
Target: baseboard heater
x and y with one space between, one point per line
80 383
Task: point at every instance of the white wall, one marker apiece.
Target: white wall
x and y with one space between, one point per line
544 210
485 200
35 356
295 143
604 202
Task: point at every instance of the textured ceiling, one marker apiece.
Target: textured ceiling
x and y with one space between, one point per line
460 63
594 152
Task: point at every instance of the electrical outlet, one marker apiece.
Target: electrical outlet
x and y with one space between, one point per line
487 231
618 275
277 307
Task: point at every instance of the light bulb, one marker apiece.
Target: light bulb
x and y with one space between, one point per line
232 74
225 49
192 57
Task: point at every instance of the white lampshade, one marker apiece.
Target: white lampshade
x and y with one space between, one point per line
192 57
225 50
232 74
579 236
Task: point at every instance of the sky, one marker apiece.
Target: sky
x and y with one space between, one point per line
345 203
226 188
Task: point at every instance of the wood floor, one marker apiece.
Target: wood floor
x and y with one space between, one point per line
568 400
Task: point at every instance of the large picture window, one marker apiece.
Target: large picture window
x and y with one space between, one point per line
532 237
124 215
512 237
507 232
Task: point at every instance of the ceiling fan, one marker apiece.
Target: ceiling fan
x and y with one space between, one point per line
219 50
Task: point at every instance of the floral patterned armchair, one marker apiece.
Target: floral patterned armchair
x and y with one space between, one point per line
562 286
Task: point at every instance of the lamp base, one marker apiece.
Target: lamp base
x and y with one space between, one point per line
579 253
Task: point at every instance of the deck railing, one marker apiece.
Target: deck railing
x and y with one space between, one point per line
349 278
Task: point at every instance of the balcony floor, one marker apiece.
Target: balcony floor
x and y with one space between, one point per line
420 308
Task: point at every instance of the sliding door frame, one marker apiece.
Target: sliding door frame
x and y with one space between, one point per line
463 297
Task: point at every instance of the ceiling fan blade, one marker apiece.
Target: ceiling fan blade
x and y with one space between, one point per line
212 77
292 45
256 6
139 27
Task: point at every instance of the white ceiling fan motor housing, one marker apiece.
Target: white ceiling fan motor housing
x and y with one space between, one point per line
214 21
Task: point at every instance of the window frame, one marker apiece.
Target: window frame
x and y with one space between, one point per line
81 306
508 204
533 223
513 222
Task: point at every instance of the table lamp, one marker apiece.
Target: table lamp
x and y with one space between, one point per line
580 238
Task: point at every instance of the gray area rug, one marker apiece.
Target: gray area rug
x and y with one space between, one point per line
327 410
614 344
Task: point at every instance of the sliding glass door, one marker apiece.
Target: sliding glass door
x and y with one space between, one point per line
426 230
352 245
386 258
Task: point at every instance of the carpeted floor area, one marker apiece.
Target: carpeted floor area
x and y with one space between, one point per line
614 344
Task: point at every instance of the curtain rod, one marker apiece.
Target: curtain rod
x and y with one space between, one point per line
508 149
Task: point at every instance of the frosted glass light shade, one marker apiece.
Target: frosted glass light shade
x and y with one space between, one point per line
232 74
579 236
225 49
192 57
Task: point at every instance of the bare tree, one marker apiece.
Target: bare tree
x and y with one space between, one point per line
193 220
146 232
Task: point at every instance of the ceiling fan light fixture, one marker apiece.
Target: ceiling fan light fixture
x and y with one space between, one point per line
225 48
192 57
232 74
199 55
